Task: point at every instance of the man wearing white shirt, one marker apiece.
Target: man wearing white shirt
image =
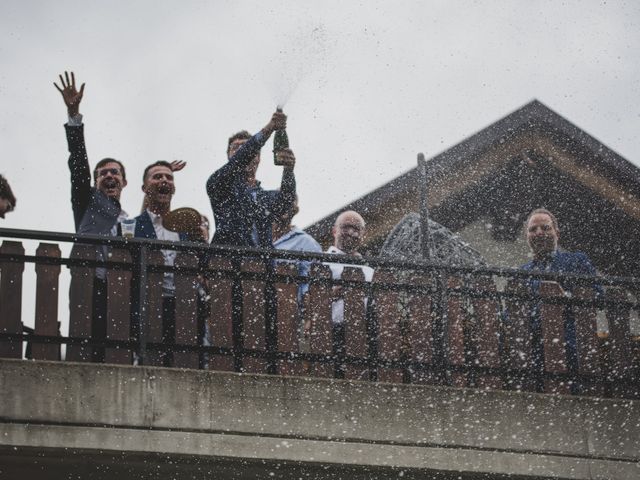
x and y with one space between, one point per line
348 233
159 187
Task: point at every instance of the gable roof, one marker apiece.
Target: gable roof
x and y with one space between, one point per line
525 146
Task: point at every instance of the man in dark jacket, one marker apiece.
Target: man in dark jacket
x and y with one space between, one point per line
243 211
542 232
159 187
96 208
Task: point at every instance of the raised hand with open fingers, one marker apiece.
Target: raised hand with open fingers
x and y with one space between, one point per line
70 93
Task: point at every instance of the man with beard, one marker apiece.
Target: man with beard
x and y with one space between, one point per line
158 187
542 232
348 234
242 209
7 199
96 208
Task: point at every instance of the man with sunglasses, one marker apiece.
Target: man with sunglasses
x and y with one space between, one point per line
7 199
96 208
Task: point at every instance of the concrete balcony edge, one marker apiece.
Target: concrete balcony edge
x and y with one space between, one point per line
146 410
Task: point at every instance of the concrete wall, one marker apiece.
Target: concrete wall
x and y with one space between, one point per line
64 419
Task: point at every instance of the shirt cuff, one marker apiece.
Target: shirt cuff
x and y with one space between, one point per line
75 121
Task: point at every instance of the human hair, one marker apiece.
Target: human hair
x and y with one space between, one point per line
544 211
241 135
5 191
159 163
103 162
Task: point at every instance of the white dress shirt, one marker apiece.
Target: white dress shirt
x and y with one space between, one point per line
168 285
337 306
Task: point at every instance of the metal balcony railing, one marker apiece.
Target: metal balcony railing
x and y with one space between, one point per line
414 323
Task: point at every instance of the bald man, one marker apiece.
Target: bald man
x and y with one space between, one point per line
348 234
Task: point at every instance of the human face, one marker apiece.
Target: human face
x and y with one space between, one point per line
542 236
5 207
109 180
348 232
158 185
252 168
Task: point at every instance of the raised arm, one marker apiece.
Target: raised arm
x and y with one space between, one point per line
78 160
221 180
287 193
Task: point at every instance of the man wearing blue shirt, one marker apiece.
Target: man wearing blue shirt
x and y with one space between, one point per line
543 233
290 237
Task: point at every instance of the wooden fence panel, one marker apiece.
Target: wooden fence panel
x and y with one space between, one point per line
420 329
220 318
487 333
390 314
553 337
618 346
318 318
355 322
458 324
289 319
81 302
46 321
119 308
11 299
518 354
588 344
253 316
186 314
153 322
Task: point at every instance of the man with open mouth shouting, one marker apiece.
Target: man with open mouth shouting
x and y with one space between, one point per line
159 187
96 209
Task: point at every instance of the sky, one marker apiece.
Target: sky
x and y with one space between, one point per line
366 85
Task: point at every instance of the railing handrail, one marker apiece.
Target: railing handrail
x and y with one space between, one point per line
273 254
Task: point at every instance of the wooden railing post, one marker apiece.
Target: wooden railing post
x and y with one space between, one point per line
391 315
220 315
46 321
554 338
253 316
355 322
81 302
318 316
119 308
11 299
518 356
420 332
289 319
186 314
487 331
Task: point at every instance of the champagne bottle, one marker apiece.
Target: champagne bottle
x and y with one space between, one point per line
280 142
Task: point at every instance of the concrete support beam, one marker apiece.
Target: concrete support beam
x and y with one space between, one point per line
304 423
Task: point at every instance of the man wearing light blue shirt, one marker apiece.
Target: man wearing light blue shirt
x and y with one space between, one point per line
290 237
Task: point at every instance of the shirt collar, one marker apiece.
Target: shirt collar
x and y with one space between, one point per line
157 219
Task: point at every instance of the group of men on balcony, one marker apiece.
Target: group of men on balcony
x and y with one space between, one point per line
245 214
